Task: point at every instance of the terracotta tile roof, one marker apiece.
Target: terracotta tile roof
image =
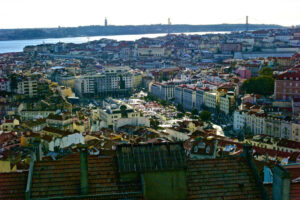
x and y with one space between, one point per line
62 178
13 185
223 178
294 171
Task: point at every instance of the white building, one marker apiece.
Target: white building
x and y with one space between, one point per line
189 98
210 99
111 115
66 141
111 80
178 94
156 90
167 91
85 85
151 50
238 120
199 99
255 122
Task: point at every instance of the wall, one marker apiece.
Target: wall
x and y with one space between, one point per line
135 121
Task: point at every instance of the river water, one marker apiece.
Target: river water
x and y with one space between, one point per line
18 45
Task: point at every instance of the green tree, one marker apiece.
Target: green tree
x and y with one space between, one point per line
123 111
195 112
180 108
13 82
263 85
154 123
164 102
205 115
180 115
266 71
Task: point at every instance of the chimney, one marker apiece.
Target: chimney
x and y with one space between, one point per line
84 185
247 151
281 184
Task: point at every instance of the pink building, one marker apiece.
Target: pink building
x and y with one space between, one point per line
250 98
243 72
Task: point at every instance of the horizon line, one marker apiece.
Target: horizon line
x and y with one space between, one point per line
57 27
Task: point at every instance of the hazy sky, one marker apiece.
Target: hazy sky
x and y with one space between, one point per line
53 13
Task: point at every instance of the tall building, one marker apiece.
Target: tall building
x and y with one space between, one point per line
27 87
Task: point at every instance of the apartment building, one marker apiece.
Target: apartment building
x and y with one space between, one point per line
167 91
111 81
255 122
85 85
199 98
272 126
210 99
156 90
287 84
189 98
4 85
239 120
178 94
27 87
227 103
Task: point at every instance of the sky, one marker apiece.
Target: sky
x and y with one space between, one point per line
70 13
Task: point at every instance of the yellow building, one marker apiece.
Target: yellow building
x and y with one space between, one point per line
8 125
226 103
137 80
66 92
5 167
296 132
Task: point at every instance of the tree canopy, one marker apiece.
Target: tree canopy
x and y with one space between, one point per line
154 123
180 108
205 115
123 111
195 112
263 85
266 71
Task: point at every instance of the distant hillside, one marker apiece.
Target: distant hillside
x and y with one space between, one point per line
41 33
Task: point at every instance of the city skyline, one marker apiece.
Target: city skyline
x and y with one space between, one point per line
39 14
